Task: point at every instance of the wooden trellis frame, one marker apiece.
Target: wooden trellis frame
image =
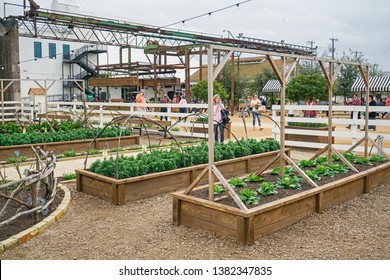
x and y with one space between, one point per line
282 75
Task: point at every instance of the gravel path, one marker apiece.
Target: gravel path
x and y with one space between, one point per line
94 229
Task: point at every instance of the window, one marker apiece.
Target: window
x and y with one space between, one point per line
37 50
52 50
66 51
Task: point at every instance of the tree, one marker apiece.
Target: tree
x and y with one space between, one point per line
307 87
226 82
348 74
200 90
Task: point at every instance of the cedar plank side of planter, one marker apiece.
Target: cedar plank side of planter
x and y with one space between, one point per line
60 147
152 184
246 226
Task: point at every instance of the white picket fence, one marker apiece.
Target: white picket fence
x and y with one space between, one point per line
341 118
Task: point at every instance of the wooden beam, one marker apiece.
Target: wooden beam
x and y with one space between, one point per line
276 71
196 181
379 148
300 171
350 165
229 189
221 64
291 68
268 164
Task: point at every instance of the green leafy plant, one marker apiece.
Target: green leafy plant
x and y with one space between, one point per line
237 182
267 188
301 124
287 171
362 160
249 197
218 190
307 163
335 157
163 160
69 176
253 178
60 156
16 159
312 174
351 157
339 168
71 153
323 170
321 159
288 182
376 158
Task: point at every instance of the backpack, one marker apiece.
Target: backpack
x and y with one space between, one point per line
225 116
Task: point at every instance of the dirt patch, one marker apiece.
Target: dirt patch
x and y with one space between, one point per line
25 221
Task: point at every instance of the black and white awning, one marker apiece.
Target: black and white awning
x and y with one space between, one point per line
376 84
271 86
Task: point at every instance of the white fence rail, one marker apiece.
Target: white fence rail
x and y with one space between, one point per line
344 138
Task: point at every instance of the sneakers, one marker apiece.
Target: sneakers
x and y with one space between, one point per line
260 128
348 126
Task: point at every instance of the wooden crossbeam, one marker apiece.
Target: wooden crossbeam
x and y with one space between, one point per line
229 189
300 171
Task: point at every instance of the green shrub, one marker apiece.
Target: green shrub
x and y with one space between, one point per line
69 176
158 161
71 153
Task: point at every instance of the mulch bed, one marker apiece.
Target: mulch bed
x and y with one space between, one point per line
225 199
25 221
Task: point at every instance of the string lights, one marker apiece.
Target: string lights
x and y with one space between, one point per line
205 14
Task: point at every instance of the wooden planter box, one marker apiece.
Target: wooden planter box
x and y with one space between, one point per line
60 147
248 226
308 137
125 190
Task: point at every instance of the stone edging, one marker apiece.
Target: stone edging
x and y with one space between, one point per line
40 227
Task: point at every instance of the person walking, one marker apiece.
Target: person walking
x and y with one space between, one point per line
183 110
164 99
218 123
371 115
355 102
141 101
255 104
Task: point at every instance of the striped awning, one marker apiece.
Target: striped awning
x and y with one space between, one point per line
271 86
376 84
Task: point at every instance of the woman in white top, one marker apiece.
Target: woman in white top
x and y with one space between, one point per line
255 104
218 124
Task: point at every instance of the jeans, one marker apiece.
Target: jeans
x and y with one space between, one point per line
255 116
163 110
221 127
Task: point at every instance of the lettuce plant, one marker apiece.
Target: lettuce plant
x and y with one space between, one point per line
249 197
312 174
287 171
323 170
237 182
288 182
218 190
253 178
307 163
267 188
338 168
376 158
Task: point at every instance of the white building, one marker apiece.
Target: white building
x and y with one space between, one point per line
53 59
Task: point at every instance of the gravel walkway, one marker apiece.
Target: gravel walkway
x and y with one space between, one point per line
94 229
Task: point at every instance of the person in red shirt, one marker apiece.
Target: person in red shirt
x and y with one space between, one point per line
387 103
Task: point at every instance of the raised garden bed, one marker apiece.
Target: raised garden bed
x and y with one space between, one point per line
247 226
125 190
60 147
308 137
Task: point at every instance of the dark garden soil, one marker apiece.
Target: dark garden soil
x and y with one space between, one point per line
225 199
25 221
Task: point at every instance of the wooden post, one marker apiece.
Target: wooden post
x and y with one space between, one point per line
282 115
200 64
232 88
210 74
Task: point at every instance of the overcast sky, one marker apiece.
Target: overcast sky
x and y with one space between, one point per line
359 25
